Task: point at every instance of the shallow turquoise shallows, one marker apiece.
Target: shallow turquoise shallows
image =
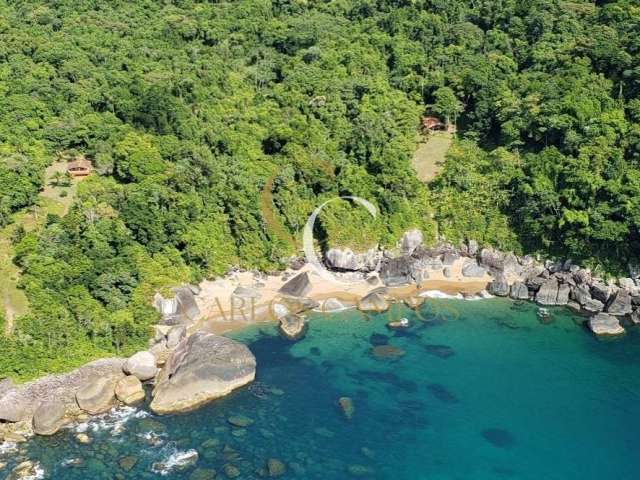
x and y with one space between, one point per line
473 390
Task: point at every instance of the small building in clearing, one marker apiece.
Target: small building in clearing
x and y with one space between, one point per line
80 167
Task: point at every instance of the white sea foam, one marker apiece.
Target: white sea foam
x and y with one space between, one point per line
113 421
175 460
152 438
439 294
8 447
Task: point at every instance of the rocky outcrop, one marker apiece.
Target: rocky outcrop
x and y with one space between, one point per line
601 291
181 309
202 368
298 286
246 292
605 324
411 240
398 271
548 292
174 336
347 260
620 304
292 327
49 417
129 390
373 302
98 395
22 401
499 288
473 270
519 291
142 365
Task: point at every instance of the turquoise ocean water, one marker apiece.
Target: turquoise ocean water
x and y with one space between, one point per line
482 390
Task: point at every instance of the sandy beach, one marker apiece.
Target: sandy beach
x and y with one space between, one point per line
221 312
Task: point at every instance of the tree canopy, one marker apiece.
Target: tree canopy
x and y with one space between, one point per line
200 115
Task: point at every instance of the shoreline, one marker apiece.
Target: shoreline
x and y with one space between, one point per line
221 313
242 299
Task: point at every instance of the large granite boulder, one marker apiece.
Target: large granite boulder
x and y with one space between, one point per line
12 411
519 291
129 390
346 259
605 324
373 302
563 294
601 291
202 368
49 417
629 285
98 395
246 292
411 240
582 276
398 271
292 327
471 269
548 292
298 286
499 287
174 336
620 304
582 295
181 309
142 365
450 257
635 317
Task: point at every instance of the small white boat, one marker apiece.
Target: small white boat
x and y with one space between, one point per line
402 323
543 313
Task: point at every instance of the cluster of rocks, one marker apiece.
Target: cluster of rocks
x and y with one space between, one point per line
610 304
196 369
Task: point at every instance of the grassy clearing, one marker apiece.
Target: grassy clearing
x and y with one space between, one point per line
13 301
430 155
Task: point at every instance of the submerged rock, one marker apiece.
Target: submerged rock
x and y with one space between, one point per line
414 302
292 327
441 393
240 421
346 405
383 352
498 437
373 302
359 470
201 368
275 467
441 351
605 324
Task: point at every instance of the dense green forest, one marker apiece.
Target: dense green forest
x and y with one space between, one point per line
190 109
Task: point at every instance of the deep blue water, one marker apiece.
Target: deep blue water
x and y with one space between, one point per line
483 391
